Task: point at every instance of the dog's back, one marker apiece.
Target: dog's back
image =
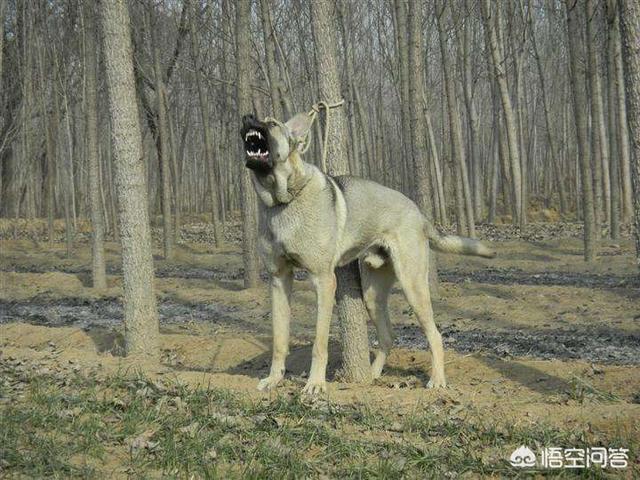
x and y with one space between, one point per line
373 212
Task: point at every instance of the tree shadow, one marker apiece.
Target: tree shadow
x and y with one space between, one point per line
107 341
526 375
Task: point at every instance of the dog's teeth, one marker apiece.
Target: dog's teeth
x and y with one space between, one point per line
259 135
246 137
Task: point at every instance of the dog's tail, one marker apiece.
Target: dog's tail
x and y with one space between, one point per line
454 244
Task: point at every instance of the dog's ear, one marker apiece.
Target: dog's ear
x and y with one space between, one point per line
299 125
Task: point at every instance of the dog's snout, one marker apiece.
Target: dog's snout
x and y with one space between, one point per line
248 118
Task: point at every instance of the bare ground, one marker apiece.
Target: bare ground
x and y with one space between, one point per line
533 337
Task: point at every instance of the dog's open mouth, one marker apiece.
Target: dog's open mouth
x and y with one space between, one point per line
256 145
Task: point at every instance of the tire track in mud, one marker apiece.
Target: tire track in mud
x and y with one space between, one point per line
599 345
495 276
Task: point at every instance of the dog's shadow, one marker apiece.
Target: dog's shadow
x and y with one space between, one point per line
298 363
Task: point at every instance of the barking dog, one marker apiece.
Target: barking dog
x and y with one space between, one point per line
317 222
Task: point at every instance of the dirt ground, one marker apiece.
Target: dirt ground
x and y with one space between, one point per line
533 337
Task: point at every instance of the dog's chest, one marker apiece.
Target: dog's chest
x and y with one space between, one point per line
292 231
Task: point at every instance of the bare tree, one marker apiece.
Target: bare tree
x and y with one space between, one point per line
578 87
351 310
509 118
162 139
243 99
466 224
98 269
206 131
140 311
629 12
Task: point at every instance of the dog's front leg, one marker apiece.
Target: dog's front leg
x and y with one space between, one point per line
280 317
325 290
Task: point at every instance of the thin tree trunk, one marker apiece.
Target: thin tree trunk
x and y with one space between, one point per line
208 142
351 310
162 142
421 170
629 14
578 86
597 118
510 123
623 129
555 161
455 127
442 205
98 269
247 194
613 120
140 311
270 56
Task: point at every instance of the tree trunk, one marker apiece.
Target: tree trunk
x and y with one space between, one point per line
612 117
162 142
629 14
140 311
351 310
270 56
510 123
400 12
597 119
98 269
622 127
579 88
247 194
455 127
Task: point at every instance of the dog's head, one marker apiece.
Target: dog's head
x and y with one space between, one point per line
268 144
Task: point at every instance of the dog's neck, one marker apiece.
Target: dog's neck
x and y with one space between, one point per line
285 182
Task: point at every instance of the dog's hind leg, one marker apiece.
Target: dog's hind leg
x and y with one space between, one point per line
410 262
376 285
281 284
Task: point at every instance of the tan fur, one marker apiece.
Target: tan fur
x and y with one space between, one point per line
316 222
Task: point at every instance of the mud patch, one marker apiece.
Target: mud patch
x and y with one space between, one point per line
598 345
495 276
514 276
108 313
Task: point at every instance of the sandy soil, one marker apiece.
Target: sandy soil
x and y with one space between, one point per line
535 335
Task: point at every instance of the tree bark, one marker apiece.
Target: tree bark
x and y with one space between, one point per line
578 86
98 269
510 123
629 14
206 135
247 194
140 311
622 127
270 56
163 148
597 119
612 117
455 127
351 310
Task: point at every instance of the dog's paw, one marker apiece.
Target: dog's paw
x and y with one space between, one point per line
313 388
434 383
269 383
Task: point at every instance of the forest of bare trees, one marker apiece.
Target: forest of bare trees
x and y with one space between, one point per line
481 111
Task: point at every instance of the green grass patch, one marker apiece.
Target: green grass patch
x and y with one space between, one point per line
96 427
